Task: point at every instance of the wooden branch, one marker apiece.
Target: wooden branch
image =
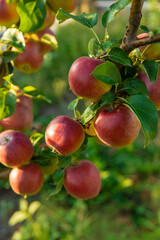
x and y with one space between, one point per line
4 174
133 24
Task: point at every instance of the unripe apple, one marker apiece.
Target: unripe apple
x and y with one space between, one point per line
82 83
65 135
83 180
22 117
16 148
153 88
67 5
32 58
50 17
117 128
26 180
8 13
44 47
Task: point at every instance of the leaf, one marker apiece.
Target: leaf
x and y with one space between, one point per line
56 190
13 37
134 86
35 138
8 56
23 205
49 40
10 103
32 14
64 162
33 207
92 47
108 73
72 105
144 28
106 98
2 102
89 113
110 14
147 114
17 217
42 97
151 68
28 89
58 176
118 55
89 20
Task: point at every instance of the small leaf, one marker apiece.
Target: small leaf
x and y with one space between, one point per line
72 105
106 98
10 103
50 40
147 114
134 86
89 20
108 73
92 47
13 37
17 217
58 176
144 28
32 14
28 89
44 98
110 14
35 138
33 207
56 190
118 55
64 162
23 205
2 102
151 68
89 113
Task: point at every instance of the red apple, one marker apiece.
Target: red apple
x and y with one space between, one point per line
44 47
15 148
8 13
65 135
117 128
22 117
50 17
67 5
26 180
83 180
32 58
82 83
153 88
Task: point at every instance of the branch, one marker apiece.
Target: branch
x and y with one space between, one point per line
133 24
144 41
4 174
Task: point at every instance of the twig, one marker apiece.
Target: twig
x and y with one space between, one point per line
144 41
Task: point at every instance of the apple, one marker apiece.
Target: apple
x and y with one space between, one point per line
50 17
117 128
65 135
8 13
82 83
44 47
22 118
26 180
67 5
153 88
83 180
16 148
31 59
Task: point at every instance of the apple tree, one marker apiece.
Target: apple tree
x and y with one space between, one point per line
120 79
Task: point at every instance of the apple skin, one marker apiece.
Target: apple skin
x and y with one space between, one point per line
26 180
82 83
44 47
50 18
117 128
15 147
32 58
8 13
65 135
82 181
67 5
22 118
153 88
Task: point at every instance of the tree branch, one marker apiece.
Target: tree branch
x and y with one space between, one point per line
133 24
144 41
4 174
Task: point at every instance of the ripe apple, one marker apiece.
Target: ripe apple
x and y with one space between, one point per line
83 180
8 13
153 88
50 17
65 135
44 47
22 118
82 83
26 180
32 58
16 148
117 128
67 5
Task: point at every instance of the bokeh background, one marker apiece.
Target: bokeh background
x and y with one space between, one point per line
128 206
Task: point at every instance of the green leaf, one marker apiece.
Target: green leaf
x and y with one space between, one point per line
64 162
42 97
23 205
28 89
55 191
89 113
33 207
8 56
17 217
151 68
118 55
108 73
89 20
32 14
35 138
50 40
10 103
72 105
93 47
106 98
147 115
13 37
110 14
134 86
58 176
2 102
144 28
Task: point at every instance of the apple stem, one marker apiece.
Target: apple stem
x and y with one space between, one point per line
95 35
